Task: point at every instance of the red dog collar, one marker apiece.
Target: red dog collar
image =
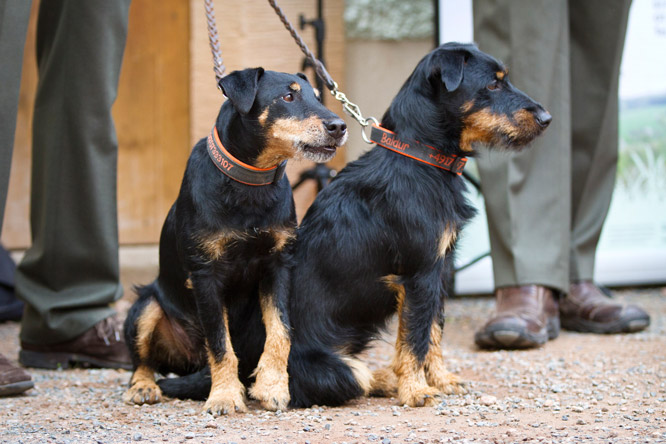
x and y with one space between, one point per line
417 151
239 171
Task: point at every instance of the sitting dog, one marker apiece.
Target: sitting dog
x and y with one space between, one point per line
380 238
223 247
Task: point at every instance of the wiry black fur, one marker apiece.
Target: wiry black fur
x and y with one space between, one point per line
383 215
209 203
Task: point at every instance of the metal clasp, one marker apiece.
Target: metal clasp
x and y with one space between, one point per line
353 110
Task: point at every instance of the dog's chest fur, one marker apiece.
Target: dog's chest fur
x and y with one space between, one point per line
252 244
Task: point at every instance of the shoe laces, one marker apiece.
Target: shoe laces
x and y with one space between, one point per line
109 328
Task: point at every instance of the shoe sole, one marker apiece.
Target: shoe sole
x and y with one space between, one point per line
54 361
620 326
507 338
15 388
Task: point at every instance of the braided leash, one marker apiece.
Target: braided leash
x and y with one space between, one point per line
319 67
350 108
218 63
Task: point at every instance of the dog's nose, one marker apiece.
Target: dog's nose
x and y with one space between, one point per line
336 127
543 117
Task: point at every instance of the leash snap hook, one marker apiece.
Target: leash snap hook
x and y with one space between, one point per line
366 139
353 110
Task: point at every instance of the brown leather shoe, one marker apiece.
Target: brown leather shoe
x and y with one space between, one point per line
103 345
587 309
524 317
13 379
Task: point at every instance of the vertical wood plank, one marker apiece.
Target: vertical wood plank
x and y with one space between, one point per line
152 117
16 226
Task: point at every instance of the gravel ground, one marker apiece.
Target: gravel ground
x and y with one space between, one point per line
577 388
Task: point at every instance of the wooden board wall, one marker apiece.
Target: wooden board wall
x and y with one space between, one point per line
167 100
152 117
16 228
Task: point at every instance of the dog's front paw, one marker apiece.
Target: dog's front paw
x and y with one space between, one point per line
418 395
272 389
446 382
143 392
223 402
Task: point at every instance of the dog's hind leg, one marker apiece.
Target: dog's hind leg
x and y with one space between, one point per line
141 325
384 383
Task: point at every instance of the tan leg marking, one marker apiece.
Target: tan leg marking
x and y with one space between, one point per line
436 373
143 389
227 394
271 385
384 383
413 389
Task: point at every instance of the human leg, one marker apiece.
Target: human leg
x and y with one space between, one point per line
527 193
598 31
14 15
70 274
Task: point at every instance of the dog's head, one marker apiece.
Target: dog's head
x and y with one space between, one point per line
283 113
472 96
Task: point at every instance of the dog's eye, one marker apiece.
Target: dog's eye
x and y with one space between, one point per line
288 97
494 85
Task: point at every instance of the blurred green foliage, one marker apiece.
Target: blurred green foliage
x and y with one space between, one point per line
389 19
642 162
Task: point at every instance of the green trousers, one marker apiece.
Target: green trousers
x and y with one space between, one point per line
546 205
70 274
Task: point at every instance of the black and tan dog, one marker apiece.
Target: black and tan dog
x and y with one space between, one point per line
223 255
380 238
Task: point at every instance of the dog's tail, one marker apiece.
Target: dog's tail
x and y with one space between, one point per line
319 377
316 377
193 386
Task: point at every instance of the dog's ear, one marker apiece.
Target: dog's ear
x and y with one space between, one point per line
303 76
450 64
240 87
